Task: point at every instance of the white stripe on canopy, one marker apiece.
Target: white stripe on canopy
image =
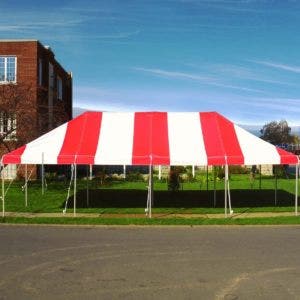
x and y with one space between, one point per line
255 150
116 139
186 139
48 145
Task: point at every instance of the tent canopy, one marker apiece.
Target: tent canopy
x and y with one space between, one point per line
149 138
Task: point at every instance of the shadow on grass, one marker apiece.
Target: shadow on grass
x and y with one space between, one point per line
107 198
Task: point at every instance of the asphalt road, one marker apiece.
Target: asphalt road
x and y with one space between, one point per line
39 262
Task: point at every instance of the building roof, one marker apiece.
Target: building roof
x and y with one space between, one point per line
18 40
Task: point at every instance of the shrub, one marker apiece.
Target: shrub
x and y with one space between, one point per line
174 179
134 176
238 170
220 172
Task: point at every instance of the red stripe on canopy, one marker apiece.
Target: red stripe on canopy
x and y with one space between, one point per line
286 157
151 140
220 140
81 142
14 156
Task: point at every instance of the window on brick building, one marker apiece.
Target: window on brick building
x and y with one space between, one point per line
59 88
8 69
8 124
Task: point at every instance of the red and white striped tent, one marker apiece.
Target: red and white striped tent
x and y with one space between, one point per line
149 138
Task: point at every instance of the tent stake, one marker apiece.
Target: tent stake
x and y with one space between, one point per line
3 192
75 183
296 190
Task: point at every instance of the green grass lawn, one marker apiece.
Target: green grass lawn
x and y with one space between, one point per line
130 197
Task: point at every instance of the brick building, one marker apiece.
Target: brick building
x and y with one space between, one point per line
29 68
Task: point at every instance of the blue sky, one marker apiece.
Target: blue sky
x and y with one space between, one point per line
240 58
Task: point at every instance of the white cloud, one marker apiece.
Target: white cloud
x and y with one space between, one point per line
202 79
170 74
278 104
295 69
245 73
61 25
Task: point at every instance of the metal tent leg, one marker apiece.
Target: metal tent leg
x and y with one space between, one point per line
3 191
26 190
215 191
91 172
260 177
75 187
296 190
229 198
87 186
69 189
227 192
43 175
276 186
207 178
150 193
124 171
225 189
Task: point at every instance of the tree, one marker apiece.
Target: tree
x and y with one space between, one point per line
277 133
24 116
17 113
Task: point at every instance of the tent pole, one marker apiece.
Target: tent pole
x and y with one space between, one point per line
90 178
148 195
43 175
275 200
87 186
229 196
75 183
151 191
225 189
296 190
3 191
26 190
124 171
91 172
148 209
207 177
159 172
260 177
215 191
